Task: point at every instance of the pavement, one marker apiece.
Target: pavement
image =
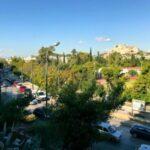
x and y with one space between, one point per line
127 141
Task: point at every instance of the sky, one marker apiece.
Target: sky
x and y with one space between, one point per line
27 25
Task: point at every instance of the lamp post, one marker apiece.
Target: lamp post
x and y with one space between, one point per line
46 71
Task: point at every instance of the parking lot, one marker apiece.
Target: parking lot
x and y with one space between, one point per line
127 141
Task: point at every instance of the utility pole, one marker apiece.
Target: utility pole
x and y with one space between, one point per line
46 74
22 73
32 75
46 69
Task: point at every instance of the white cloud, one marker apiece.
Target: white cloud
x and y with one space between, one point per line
102 39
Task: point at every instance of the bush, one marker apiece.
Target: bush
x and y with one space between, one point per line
133 73
48 133
12 111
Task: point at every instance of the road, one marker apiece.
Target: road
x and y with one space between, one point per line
42 104
127 141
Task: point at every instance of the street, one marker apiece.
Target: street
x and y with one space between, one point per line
127 141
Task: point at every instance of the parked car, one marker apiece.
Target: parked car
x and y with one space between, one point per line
41 95
144 147
110 131
34 102
40 113
28 92
22 89
140 131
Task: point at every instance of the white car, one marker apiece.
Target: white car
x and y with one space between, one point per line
34 102
41 95
144 147
110 131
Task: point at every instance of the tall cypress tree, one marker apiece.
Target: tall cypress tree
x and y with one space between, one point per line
64 58
57 59
98 54
91 57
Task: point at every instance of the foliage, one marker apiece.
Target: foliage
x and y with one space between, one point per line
48 134
100 91
13 110
146 68
115 59
44 53
141 88
111 73
74 116
133 73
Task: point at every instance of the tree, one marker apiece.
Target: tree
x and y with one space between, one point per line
111 74
13 111
90 55
102 61
74 52
134 61
64 58
3 63
115 84
115 59
57 59
79 58
133 73
75 114
146 68
41 58
141 88
17 64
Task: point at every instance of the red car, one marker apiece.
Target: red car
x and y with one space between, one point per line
22 89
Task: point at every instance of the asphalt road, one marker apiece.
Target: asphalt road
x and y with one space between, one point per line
127 142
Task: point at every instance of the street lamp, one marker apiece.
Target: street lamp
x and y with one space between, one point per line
46 70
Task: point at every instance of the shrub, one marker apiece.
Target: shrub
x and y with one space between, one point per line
133 73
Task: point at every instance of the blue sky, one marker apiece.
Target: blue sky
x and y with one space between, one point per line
26 25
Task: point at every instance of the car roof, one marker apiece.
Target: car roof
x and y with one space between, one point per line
141 127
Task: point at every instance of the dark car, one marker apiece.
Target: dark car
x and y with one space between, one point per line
140 131
28 93
40 113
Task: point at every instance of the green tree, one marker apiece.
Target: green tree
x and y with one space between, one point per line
133 73
134 61
64 58
75 114
41 58
141 88
115 59
74 52
111 74
90 55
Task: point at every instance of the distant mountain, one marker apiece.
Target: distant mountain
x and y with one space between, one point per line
126 50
